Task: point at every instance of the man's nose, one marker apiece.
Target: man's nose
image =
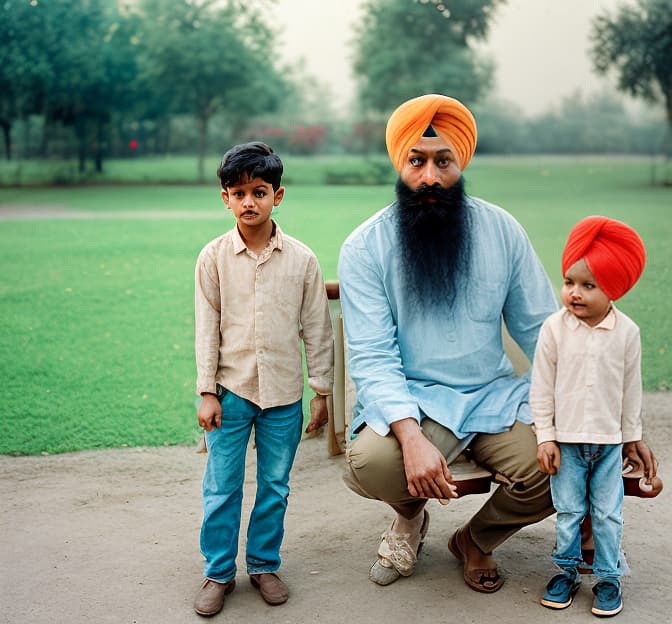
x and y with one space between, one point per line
248 199
429 174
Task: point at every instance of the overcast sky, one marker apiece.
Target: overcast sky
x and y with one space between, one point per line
539 46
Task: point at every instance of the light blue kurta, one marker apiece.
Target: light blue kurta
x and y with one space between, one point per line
449 365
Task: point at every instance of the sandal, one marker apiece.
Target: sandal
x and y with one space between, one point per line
480 579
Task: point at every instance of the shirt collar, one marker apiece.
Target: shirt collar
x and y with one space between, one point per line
275 243
607 323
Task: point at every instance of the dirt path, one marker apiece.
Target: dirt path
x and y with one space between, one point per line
112 536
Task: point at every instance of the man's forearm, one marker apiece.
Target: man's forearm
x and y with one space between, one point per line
406 430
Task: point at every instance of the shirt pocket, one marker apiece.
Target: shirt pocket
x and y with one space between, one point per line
485 300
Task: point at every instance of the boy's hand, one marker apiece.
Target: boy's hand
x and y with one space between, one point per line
548 456
319 415
640 456
210 412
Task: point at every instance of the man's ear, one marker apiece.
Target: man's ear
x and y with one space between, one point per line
279 194
225 197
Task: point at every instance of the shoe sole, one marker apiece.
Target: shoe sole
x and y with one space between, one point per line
603 613
557 605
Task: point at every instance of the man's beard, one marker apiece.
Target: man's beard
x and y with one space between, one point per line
435 243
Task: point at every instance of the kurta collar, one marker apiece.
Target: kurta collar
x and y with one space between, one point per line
607 323
275 243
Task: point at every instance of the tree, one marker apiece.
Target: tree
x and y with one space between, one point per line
405 48
71 61
24 67
206 57
637 43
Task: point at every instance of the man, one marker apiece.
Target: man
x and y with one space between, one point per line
425 284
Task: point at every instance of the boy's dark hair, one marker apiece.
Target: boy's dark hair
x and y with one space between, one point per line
254 160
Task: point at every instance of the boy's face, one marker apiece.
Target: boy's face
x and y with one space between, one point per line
252 201
582 296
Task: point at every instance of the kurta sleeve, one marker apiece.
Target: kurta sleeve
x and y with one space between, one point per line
372 350
530 299
207 307
542 388
318 337
631 417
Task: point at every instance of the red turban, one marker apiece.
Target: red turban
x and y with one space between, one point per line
451 120
613 252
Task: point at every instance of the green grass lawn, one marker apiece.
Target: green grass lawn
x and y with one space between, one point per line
96 347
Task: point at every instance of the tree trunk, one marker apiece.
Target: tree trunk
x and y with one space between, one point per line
80 133
44 141
25 152
98 155
202 145
7 135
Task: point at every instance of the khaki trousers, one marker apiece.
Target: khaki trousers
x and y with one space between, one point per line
375 469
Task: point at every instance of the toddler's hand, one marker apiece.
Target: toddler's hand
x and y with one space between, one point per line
548 456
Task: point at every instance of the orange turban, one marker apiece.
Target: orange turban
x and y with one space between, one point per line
451 119
613 251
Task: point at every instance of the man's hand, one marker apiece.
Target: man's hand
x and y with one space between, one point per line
210 412
427 473
548 456
640 456
319 415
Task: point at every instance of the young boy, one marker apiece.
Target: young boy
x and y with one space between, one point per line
586 400
258 293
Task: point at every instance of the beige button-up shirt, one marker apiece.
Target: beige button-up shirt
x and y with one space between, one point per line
586 381
252 313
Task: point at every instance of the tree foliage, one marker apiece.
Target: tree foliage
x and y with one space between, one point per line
209 57
70 61
405 48
93 64
637 43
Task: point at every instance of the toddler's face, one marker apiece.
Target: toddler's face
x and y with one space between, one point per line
582 296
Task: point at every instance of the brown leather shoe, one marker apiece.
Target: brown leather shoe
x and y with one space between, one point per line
211 595
271 588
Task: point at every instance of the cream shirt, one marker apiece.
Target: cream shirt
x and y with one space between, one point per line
251 314
586 381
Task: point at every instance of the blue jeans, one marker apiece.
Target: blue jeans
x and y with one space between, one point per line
589 479
277 434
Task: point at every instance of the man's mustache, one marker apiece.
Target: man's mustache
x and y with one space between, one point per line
424 190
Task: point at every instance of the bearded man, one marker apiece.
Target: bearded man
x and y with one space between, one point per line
425 284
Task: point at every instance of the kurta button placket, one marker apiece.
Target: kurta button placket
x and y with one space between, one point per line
590 360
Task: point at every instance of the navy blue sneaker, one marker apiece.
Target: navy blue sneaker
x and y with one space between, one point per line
608 600
561 589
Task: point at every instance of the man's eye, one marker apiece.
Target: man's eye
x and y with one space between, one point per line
416 162
260 194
